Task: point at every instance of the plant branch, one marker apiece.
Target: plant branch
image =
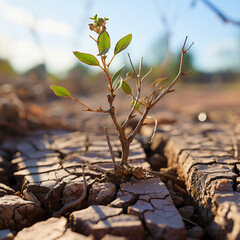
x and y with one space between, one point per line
139 125
130 60
118 127
111 60
179 75
162 93
220 14
136 100
110 84
93 38
155 128
73 204
105 70
88 108
110 148
146 74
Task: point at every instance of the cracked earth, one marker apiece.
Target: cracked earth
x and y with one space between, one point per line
192 194
48 174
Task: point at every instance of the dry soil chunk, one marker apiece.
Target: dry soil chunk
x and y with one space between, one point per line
227 216
101 193
51 229
196 233
146 186
5 190
123 225
70 235
16 213
123 200
165 224
106 220
81 221
187 211
156 207
73 191
205 159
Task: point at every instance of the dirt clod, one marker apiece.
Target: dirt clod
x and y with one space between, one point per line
101 193
187 211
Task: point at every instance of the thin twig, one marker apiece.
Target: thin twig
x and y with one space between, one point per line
220 14
140 68
155 128
139 125
136 100
146 74
187 220
163 93
164 175
179 75
130 60
111 60
96 168
110 148
73 204
93 38
88 108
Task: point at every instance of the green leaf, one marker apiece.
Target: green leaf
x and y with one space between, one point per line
103 42
94 17
117 74
118 85
126 88
137 107
122 44
60 91
87 58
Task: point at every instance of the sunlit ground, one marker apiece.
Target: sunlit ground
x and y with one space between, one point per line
21 114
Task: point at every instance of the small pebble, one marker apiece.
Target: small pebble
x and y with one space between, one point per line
157 161
187 211
196 232
178 201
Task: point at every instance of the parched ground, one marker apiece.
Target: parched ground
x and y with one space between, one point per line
192 194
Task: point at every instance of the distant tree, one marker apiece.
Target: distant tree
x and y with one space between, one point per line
6 68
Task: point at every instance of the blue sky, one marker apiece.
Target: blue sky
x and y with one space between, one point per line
33 31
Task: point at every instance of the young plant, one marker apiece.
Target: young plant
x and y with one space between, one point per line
139 105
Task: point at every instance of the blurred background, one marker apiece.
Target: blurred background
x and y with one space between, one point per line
37 39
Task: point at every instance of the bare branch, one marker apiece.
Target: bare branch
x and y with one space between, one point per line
111 60
220 14
146 74
93 39
139 125
130 60
96 168
73 204
155 128
88 108
179 75
136 100
110 148
187 220
140 68
162 93
165 175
